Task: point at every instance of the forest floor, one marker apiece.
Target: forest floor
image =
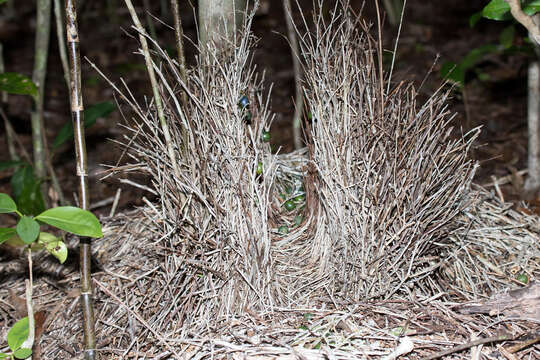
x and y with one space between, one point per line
432 33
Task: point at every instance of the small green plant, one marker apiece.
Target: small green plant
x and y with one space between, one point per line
495 10
16 339
27 234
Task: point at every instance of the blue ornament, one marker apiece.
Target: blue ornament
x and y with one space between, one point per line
244 102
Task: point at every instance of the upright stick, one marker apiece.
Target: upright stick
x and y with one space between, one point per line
80 152
179 35
297 67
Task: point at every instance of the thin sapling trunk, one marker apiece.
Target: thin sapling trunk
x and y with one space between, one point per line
299 98
219 20
43 28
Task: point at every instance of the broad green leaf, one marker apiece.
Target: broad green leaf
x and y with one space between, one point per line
506 38
4 356
500 10
497 10
15 83
6 233
54 245
27 192
20 178
476 55
531 7
456 72
18 334
72 219
28 229
22 353
453 72
4 165
91 114
7 204
475 18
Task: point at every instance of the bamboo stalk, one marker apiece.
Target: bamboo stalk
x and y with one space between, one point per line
77 116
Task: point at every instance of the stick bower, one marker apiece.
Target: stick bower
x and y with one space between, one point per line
360 245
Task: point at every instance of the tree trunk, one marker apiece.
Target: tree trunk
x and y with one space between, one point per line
219 20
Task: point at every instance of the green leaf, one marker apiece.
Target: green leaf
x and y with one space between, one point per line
3 1
4 165
506 38
72 219
15 83
28 229
476 55
475 18
497 10
47 238
6 234
7 204
27 192
4 356
453 72
531 7
91 114
500 10
54 246
18 334
22 353
58 250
